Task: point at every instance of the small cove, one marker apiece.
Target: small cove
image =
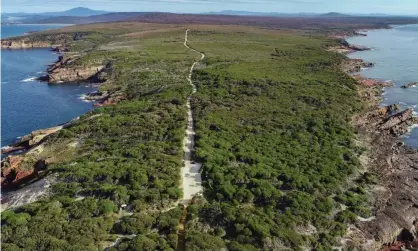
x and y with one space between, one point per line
26 103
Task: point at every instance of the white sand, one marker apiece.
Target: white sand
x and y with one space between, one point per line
191 178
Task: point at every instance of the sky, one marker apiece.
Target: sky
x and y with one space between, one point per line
405 7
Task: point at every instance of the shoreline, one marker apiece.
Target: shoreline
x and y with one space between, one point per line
372 129
61 71
22 143
383 83
393 162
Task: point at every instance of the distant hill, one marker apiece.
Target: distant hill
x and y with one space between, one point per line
79 11
84 16
262 14
108 17
36 17
334 14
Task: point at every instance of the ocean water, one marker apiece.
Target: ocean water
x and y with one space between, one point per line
395 54
21 29
27 104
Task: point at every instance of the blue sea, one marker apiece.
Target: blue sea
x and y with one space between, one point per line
27 104
395 54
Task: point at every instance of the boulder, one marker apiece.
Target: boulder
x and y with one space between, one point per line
389 110
397 119
10 169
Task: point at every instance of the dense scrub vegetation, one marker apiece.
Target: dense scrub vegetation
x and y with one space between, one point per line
129 153
272 119
273 130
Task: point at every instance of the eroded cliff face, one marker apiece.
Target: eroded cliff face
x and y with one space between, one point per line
39 40
66 70
24 44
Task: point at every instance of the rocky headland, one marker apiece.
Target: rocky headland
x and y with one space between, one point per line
345 48
65 70
16 169
394 199
410 85
24 44
58 41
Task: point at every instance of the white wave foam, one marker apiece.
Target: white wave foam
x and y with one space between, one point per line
6 147
82 97
413 127
410 129
29 79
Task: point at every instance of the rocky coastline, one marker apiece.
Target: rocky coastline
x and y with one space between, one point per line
13 170
395 198
17 167
394 224
58 41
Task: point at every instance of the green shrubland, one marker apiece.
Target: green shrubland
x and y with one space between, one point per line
273 119
272 116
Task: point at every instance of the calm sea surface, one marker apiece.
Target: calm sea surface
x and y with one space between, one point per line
27 104
395 54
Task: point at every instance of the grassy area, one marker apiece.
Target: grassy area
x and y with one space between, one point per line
272 119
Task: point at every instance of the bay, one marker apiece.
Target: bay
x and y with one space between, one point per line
28 104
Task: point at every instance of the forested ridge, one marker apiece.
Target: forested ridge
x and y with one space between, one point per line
273 112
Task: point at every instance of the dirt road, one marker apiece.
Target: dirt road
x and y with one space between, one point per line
191 178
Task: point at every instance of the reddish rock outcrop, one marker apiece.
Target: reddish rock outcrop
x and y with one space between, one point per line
12 172
370 82
10 169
